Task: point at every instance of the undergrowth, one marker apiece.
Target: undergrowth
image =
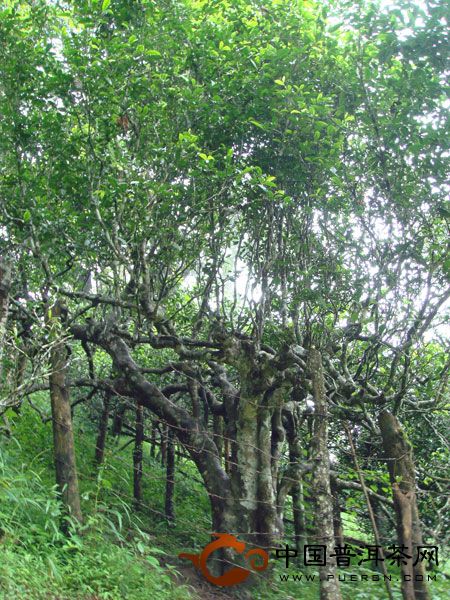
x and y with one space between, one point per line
121 552
111 557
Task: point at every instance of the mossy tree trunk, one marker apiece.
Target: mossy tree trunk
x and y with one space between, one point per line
320 486
399 458
243 501
63 441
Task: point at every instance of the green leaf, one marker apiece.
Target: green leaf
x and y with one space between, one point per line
153 561
156 551
105 4
256 123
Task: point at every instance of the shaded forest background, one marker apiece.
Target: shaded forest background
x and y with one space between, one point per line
224 291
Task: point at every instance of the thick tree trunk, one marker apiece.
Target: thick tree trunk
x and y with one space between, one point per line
170 478
138 454
248 415
320 487
102 431
251 472
242 503
398 454
191 434
63 442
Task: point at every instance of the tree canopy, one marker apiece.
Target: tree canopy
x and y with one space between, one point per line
229 220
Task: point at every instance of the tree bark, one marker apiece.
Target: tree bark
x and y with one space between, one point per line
252 485
5 286
337 519
63 442
398 454
163 445
117 424
226 455
218 433
299 517
320 487
153 439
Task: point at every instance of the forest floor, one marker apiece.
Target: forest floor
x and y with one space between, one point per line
201 589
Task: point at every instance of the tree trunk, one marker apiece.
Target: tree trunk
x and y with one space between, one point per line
226 455
218 433
320 487
277 439
382 524
63 442
138 454
242 503
163 446
5 285
102 431
291 482
337 519
117 424
153 439
251 472
170 478
299 516
398 454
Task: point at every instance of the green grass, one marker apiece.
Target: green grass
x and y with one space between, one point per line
113 557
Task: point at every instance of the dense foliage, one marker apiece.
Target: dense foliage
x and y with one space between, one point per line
210 213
